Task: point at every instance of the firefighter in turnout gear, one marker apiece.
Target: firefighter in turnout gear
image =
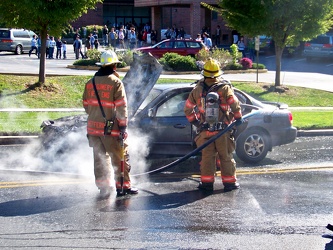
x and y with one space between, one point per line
104 100
210 107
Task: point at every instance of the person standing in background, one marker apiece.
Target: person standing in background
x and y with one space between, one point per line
105 32
64 49
33 45
59 47
52 45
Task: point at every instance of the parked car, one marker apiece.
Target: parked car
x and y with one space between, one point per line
161 117
266 44
15 40
184 47
319 47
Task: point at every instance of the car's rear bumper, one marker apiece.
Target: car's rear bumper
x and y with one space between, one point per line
318 54
285 136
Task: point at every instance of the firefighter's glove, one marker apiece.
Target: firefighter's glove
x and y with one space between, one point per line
196 123
123 132
239 121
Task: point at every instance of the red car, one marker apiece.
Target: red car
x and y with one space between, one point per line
182 47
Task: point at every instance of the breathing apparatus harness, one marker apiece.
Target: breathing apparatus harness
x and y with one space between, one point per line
211 101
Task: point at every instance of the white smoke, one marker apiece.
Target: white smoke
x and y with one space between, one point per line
70 153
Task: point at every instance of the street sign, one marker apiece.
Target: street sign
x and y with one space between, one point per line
257 43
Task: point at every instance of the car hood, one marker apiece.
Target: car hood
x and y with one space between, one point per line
140 79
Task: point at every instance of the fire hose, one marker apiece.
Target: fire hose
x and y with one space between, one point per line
198 149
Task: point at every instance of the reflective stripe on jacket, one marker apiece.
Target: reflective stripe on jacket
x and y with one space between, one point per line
113 99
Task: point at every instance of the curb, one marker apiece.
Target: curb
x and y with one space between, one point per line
319 132
19 139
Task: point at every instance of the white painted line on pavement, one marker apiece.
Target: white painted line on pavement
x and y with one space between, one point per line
329 65
300 60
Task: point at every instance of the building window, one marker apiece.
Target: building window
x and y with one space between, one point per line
214 15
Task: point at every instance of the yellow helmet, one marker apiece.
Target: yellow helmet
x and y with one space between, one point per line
211 69
107 58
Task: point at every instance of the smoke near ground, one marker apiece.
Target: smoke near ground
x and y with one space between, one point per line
69 153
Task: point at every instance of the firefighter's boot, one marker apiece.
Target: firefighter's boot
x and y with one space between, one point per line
231 186
125 191
105 192
206 186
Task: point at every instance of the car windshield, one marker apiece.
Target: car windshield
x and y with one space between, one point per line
153 94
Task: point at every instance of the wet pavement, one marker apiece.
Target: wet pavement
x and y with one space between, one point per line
285 202
285 210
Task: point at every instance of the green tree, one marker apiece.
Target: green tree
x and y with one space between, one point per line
44 17
287 21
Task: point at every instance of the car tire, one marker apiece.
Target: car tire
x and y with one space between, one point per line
252 145
18 50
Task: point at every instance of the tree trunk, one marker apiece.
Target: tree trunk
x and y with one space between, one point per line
278 58
43 35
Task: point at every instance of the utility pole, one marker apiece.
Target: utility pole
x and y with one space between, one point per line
257 47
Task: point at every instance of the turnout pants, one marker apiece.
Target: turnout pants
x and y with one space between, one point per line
107 154
223 148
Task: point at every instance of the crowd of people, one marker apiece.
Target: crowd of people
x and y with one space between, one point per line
131 36
59 47
128 36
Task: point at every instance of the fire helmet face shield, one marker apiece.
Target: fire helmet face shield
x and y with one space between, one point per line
211 69
107 58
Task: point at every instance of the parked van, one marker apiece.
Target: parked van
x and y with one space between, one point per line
319 47
15 40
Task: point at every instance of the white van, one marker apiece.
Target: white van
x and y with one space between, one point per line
15 40
319 47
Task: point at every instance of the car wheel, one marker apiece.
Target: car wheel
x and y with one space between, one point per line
252 145
18 50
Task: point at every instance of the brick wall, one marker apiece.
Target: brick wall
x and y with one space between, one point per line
92 17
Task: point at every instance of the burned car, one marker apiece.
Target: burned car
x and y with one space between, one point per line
161 118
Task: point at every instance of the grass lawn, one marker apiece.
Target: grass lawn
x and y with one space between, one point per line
66 92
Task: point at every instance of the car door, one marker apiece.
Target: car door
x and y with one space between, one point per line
180 48
171 133
163 48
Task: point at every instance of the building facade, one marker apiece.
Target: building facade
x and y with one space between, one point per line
159 14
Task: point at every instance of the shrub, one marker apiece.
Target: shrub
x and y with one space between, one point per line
169 56
203 55
173 61
246 63
85 62
236 55
183 63
234 66
258 66
94 54
222 56
126 57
